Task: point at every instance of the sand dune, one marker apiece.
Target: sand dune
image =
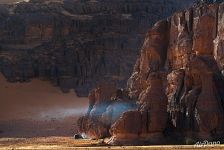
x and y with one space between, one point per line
35 107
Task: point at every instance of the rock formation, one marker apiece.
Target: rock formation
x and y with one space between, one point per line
177 82
106 105
76 44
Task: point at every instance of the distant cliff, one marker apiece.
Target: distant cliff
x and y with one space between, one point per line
76 44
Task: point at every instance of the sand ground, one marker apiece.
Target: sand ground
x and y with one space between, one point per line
37 109
70 143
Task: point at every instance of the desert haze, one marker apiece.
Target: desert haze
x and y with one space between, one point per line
37 108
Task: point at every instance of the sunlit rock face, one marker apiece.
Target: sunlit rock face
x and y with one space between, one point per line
76 44
177 82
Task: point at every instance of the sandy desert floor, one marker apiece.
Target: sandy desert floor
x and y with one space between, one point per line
37 109
70 143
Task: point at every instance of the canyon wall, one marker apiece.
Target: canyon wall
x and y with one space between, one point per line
76 44
176 86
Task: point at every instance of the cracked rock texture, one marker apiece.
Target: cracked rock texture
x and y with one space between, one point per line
177 82
77 44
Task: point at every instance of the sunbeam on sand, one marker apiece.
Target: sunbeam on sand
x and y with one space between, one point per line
37 108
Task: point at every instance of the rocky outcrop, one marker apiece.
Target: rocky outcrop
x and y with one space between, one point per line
177 82
106 105
76 44
146 124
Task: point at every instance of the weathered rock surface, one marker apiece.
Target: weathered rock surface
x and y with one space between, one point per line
76 44
106 105
177 82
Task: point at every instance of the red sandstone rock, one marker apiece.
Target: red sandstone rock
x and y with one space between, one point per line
183 56
126 128
193 65
106 105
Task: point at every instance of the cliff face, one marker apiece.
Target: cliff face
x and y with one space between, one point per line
76 44
177 83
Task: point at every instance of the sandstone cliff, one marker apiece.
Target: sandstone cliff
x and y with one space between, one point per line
76 44
177 84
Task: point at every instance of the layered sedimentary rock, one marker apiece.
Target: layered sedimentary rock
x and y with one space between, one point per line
177 82
76 44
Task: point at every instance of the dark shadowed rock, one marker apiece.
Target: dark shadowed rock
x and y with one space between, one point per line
76 44
78 136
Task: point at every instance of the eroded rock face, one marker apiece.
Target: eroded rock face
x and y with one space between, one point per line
177 82
147 123
106 105
76 44
192 66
